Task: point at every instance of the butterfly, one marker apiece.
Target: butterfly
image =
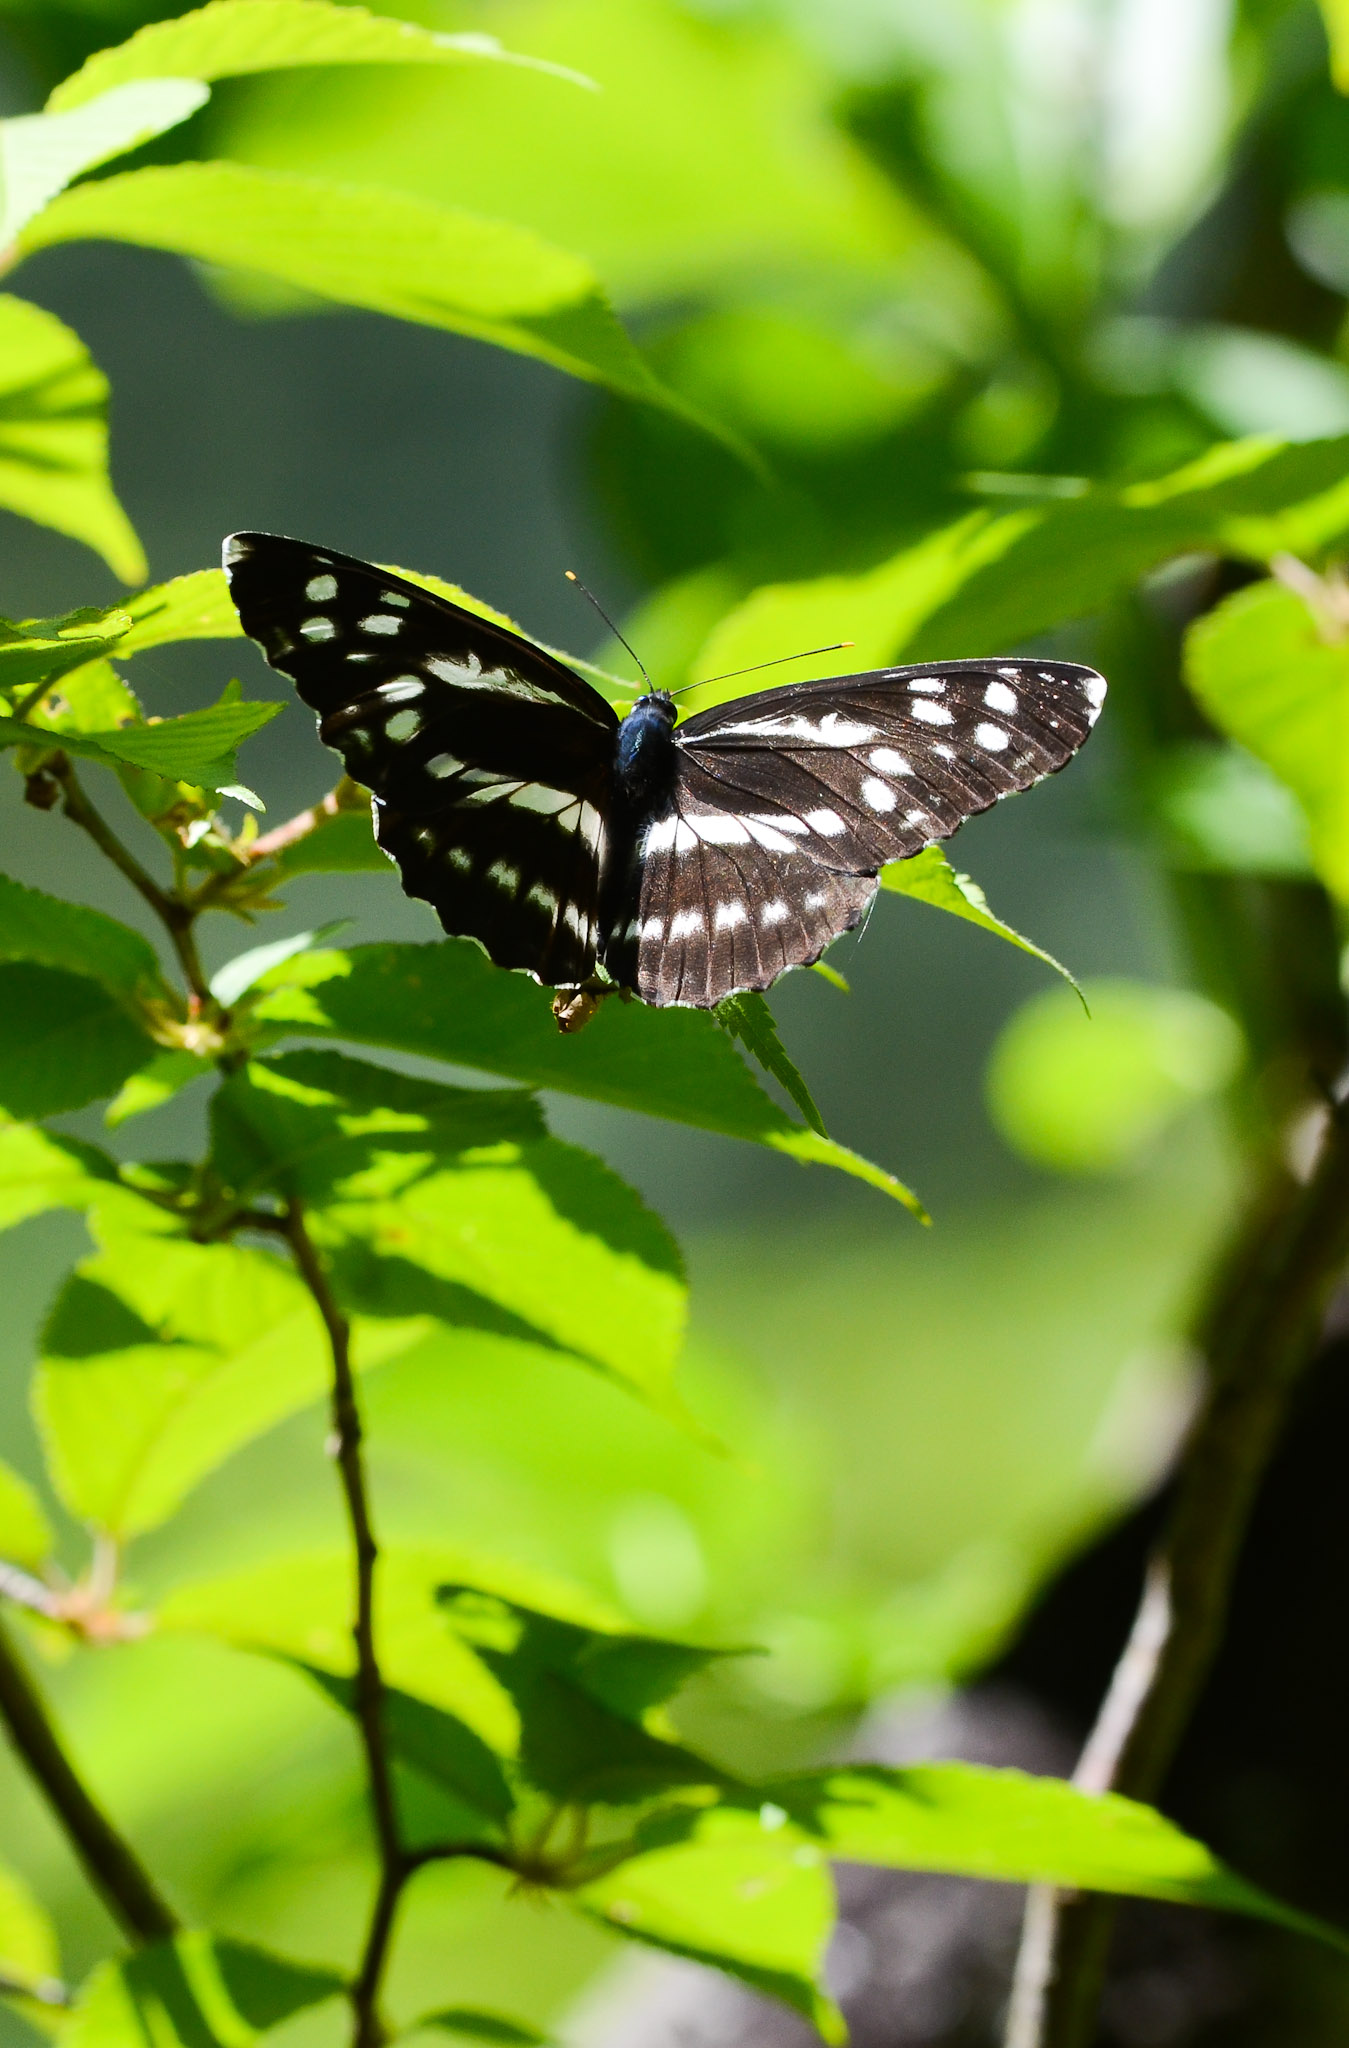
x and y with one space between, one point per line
688 862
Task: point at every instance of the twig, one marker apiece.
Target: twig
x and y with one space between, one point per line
176 917
347 796
111 1864
26 1591
1257 1338
369 2031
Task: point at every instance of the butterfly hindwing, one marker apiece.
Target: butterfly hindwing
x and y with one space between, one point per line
489 762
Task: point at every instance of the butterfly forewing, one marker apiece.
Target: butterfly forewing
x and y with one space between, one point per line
490 763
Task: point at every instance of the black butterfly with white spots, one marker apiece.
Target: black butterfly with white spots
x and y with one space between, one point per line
686 862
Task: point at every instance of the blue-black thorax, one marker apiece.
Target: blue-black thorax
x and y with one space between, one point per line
644 754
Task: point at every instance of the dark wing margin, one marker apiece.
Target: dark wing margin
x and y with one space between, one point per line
788 803
489 761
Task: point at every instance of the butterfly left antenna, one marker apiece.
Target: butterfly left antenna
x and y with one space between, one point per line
572 577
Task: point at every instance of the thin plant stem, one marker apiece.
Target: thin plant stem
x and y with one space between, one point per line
175 916
369 2031
1258 1337
112 1866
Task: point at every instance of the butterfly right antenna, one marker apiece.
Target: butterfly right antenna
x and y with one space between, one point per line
572 577
754 667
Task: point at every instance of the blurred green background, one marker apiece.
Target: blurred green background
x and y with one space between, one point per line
922 258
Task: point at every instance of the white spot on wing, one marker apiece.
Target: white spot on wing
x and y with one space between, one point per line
381 622
403 725
999 698
505 876
827 823
931 714
654 928
728 915
318 629
402 690
685 922
544 898
685 840
889 762
878 794
774 836
931 686
720 828
660 835
775 912
537 796
460 858
395 597
320 588
443 765
992 738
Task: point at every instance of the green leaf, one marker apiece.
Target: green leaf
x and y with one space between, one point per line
1277 682
448 1002
166 1075
747 1017
233 38
1001 1824
162 1357
198 1991
91 699
723 1888
41 1170
991 581
35 926
343 842
358 246
198 747
301 1607
25 1538
1336 16
192 607
320 1127
54 437
470 2023
64 1041
43 650
929 878
28 1949
40 154
603 1279
1092 1094
437 1745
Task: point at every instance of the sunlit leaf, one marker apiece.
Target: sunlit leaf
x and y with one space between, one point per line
54 437
929 878
42 650
44 1170
367 247
724 1889
35 926
1217 809
25 1538
470 2023
301 1606
1275 681
161 1357
231 38
192 607
448 1002
197 747
1004 1825
28 1950
64 1041
435 1744
989 582
1336 16
199 1991
1090 1094
166 1075
40 154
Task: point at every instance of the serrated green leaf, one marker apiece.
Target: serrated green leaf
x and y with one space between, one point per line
342 842
91 699
448 1002
198 1991
28 1948
234 38
192 607
359 246
319 1127
54 436
1001 1824
162 1357
1275 681
928 877
42 1170
723 1889
991 581
198 747
40 154
747 1017
25 1538
43 650
35 926
64 1041
301 1607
